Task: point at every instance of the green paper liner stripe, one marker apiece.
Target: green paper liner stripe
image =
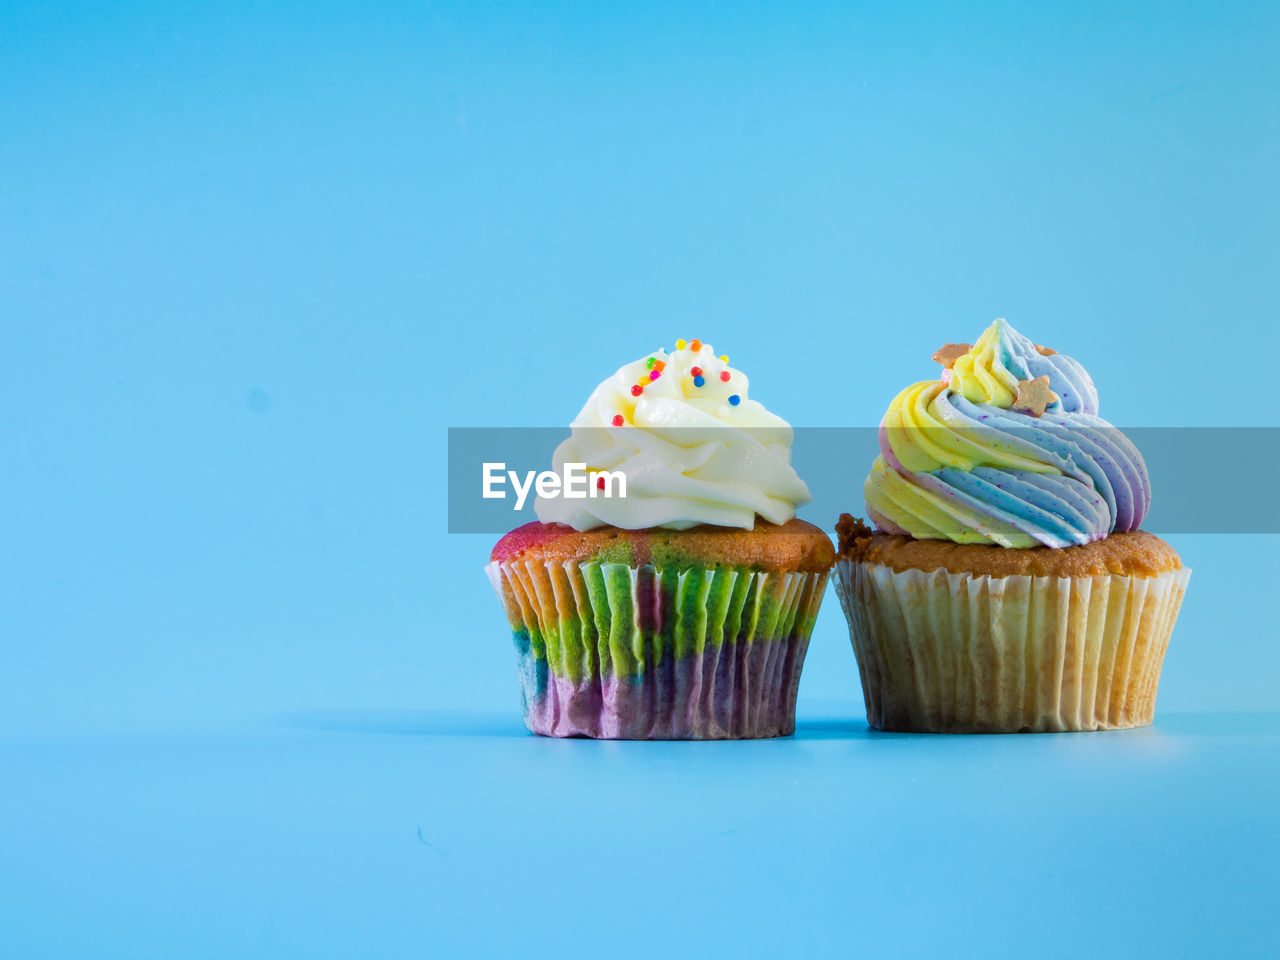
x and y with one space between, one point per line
600 618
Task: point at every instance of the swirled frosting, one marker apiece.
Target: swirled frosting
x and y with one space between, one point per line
693 446
1005 448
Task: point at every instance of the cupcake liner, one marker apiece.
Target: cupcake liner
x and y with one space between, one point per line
957 652
635 653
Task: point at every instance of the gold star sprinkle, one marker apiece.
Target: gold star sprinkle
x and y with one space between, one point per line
949 353
1033 396
1044 351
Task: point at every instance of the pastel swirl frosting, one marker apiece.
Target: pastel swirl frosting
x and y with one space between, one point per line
693 446
1006 448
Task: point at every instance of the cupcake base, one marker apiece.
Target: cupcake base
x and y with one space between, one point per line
951 652
615 651
735 692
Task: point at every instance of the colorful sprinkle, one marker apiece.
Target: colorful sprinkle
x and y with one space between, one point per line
617 420
659 366
695 345
637 390
698 381
681 344
724 358
651 362
695 371
599 483
724 375
654 374
735 400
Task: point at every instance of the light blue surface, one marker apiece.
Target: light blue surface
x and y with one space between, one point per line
254 259
354 833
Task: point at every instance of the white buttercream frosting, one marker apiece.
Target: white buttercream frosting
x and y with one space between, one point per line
691 454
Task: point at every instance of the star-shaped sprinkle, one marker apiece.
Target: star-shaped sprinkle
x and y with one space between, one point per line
1033 396
1044 351
949 353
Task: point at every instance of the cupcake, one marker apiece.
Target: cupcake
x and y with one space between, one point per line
1006 585
682 609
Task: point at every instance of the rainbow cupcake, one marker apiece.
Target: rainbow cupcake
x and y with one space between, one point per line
1006 586
683 609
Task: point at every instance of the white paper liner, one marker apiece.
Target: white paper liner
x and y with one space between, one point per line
954 652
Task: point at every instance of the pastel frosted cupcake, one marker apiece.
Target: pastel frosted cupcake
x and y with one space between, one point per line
1006 585
683 609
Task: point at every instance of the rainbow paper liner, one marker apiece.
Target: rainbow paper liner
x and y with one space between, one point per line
612 651
957 653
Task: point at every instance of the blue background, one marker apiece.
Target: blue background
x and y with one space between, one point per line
256 258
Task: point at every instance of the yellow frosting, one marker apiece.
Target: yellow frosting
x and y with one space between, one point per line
922 430
974 457
980 376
